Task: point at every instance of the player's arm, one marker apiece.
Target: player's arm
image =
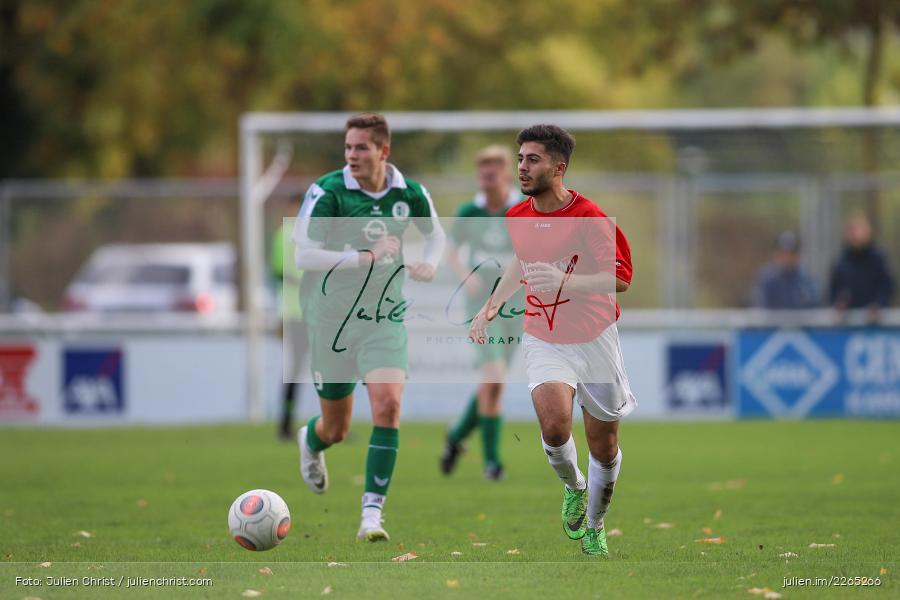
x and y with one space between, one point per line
311 229
603 239
508 285
435 240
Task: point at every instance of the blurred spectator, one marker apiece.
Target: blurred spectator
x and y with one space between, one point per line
783 283
861 277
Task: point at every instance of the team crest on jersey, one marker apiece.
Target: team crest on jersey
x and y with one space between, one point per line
375 230
400 210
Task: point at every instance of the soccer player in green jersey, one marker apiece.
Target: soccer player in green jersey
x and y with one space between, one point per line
480 228
349 243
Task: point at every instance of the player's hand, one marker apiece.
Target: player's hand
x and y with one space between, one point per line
421 271
387 245
479 325
545 276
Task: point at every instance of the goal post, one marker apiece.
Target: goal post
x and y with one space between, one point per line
676 224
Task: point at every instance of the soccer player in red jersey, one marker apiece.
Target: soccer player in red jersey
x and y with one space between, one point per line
571 259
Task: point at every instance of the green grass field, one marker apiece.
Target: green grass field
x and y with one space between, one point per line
154 503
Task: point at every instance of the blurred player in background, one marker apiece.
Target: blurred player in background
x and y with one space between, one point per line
480 230
580 356
349 231
295 343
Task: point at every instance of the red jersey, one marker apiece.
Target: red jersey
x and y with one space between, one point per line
577 239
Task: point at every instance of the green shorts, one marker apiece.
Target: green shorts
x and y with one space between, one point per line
365 349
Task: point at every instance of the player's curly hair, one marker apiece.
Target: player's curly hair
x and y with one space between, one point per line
377 124
556 140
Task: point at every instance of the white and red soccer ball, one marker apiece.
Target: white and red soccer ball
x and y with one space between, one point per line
259 520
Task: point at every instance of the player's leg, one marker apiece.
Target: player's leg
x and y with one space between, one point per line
605 402
603 471
553 406
322 431
490 393
454 445
385 387
296 351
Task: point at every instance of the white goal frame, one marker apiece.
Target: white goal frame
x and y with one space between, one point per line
258 181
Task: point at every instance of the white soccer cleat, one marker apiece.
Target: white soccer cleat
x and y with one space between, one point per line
370 528
312 465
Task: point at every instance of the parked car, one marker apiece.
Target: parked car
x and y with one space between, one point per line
192 278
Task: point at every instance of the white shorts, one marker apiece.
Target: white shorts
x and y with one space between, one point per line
594 369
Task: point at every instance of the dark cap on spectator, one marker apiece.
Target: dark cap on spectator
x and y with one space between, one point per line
788 241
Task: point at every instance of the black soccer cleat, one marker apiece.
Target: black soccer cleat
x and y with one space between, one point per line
494 472
450 456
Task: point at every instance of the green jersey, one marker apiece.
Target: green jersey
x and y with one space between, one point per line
338 215
486 238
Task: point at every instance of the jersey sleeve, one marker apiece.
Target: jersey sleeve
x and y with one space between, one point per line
601 232
624 269
423 212
312 223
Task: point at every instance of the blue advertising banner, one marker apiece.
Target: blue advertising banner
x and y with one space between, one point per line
819 372
696 378
92 381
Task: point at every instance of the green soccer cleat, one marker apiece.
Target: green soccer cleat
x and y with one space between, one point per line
594 542
574 512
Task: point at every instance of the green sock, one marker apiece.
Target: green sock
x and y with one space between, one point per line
380 461
314 442
490 437
467 422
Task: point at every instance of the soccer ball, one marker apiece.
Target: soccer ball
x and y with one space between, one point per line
259 520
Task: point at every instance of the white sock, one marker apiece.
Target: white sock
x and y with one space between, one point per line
602 480
564 460
372 501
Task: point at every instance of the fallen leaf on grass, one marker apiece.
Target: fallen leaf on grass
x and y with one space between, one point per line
76 544
482 517
814 545
141 503
788 555
514 552
707 530
400 546
472 536
838 479
251 593
614 533
84 534
453 584
882 571
718 515
337 564
664 526
765 593
45 565
327 590
265 571
714 540
647 520
455 553
405 557
479 544
733 484
202 571
836 536
31 598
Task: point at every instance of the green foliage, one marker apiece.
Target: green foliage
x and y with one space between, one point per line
114 89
